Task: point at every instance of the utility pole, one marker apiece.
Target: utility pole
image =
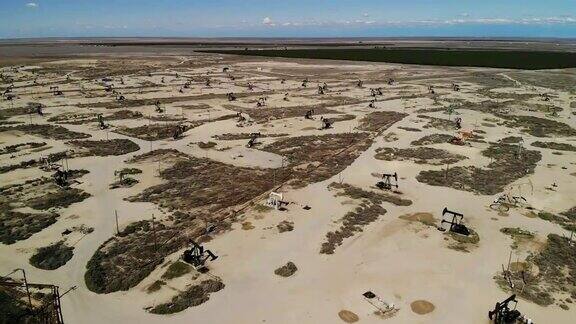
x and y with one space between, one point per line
117 227
154 234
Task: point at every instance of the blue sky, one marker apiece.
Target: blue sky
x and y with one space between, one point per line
287 18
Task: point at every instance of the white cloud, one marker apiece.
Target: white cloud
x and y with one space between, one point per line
456 21
366 14
32 5
268 21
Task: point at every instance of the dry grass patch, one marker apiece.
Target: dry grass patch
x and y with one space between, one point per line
286 270
505 168
550 273
419 155
105 147
352 222
379 121
555 146
55 132
539 127
192 296
432 139
368 196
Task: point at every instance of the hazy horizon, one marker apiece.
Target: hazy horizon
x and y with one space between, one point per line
287 19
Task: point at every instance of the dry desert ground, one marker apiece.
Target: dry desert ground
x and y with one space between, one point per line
155 153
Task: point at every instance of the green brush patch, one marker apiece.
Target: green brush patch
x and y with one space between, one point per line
526 60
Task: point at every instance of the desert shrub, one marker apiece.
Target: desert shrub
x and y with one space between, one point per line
52 257
176 269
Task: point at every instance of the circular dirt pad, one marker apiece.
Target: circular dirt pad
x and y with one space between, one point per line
347 316
422 307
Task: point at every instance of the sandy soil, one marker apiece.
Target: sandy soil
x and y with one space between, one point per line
399 256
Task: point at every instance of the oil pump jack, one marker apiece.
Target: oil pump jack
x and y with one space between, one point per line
456 225
61 178
240 117
197 256
158 107
376 92
322 88
252 140
326 123
261 102
56 91
178 131
386 182
231 96
372 103
38 109
502 314
101 122
309 114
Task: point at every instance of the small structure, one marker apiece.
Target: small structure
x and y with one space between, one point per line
382 307
231 96
359 83
275 200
